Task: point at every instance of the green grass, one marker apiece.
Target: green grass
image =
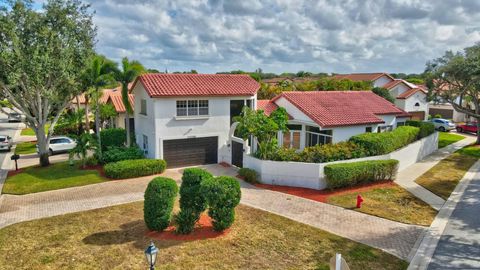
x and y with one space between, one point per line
391 202
30 132
56 176
25 148
114 238
442 178
447 138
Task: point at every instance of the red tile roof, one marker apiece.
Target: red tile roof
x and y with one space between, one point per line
117 102
105 94
341 108
410 92
160 85
394 83
362 76
266 105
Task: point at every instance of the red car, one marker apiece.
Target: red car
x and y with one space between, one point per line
469 127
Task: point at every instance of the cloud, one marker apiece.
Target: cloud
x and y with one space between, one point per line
283 35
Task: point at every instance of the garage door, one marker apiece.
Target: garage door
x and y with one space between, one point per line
418 115
187 152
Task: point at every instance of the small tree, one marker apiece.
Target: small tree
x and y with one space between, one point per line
384 93
455 78
158 205
263 128
85 143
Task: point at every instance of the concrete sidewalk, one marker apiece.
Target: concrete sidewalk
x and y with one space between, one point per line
406 178
453 239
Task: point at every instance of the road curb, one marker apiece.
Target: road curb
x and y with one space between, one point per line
425 251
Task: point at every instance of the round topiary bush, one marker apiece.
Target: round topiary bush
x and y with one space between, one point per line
192 199
223 195
159 200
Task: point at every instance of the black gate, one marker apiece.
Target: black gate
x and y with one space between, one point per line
237 154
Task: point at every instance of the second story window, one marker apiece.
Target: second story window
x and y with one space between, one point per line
192 107
143 107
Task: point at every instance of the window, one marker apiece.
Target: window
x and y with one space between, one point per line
384 129
145 144
192 107
291 138
316 136
417 104
143 107
368 129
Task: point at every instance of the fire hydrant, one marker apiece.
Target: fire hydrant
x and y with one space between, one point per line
359 201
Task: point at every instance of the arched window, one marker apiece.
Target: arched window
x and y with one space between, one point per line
417 104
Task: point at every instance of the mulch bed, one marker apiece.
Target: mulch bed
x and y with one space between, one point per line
224 164
323 195
12 173
98 168
203 230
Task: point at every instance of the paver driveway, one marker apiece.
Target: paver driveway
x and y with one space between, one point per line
393 237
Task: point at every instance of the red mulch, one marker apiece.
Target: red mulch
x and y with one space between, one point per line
12 173
224 164
322 195
203 230
99 168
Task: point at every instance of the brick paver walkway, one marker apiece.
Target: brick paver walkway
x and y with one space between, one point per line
393 237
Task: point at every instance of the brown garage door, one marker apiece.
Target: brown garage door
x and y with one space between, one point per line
418 115
187 152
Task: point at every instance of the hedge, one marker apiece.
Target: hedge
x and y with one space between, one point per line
134 168
113 137
159 200
192 199
426 128
386 142
223 195
248 175
353 173
114 154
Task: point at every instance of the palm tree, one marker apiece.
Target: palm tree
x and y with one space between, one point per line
85 143
130 70
98 75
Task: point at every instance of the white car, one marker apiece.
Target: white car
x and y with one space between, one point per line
60 145
443 124
6 142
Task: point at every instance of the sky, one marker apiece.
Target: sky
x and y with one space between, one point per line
278 36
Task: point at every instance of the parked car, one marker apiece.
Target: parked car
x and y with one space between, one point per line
14 117
6 142
469 127
60 145
443 124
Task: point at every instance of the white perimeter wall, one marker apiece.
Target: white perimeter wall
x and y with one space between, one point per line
311 175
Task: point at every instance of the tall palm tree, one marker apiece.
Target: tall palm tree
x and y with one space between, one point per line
129 71
98 75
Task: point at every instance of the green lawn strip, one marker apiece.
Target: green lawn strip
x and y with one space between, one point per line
114 237
25 148
391 202
56 176
29 132
447 138
442 178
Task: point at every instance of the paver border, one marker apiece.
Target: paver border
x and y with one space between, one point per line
423 255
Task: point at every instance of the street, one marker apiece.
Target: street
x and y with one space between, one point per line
8 129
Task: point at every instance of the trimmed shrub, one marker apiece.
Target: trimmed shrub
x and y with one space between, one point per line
159 200
114 154
223 195
386 142
192 200
332 152
287 154
113 137
249 175
426 128
134 168
353 173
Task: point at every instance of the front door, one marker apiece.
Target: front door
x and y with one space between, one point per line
237 154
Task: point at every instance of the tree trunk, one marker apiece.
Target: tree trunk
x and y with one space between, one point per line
127 128
43 152
87 120
478 131
97 124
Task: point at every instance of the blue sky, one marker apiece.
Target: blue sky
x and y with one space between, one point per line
285 36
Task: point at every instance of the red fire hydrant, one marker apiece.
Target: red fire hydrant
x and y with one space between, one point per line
359 201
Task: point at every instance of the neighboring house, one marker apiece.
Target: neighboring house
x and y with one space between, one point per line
281 81
409 97
103 99
186 119
120 120
323 117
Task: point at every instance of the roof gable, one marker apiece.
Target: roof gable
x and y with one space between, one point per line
117 101
170 85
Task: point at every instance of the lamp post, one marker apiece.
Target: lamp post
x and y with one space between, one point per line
151 255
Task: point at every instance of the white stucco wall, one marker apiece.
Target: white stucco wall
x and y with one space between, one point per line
144 124
344 133
380 82
420 98
311 175
398 90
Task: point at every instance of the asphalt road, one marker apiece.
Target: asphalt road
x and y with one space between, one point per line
7 129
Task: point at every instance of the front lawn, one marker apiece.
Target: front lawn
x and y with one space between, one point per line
444 177
25 148
29 132
56 176
447 138
390 202
114 238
